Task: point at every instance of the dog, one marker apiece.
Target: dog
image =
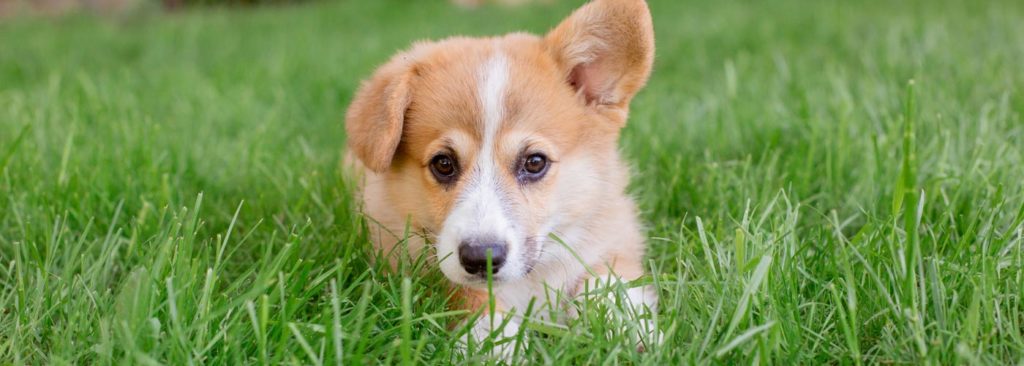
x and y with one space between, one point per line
500 156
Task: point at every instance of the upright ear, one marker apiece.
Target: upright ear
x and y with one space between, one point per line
605 50
377 114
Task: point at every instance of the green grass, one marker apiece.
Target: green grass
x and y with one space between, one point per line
170 188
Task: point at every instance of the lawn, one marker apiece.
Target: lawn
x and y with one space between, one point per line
824 182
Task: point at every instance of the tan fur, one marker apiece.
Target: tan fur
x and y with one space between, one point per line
567 95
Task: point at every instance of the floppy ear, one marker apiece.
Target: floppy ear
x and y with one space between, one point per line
377 114
605 50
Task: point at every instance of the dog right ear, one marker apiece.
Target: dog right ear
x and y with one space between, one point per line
376 115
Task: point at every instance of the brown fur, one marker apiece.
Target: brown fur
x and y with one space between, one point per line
567 95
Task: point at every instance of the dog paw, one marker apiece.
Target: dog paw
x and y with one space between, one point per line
633 308
497 336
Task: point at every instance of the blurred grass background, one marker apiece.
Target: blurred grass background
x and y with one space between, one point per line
170 189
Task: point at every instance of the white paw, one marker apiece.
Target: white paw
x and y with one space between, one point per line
643 305
499 334
636 309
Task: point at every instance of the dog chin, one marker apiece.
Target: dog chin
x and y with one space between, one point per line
479 282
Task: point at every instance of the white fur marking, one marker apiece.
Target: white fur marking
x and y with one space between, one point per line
494 79
480 211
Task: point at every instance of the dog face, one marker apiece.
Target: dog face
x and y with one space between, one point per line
489 145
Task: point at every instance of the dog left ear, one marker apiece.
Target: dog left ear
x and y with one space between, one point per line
376 117
605 50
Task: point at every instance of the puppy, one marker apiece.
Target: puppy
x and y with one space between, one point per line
504 150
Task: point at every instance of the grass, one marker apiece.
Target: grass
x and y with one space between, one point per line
825 182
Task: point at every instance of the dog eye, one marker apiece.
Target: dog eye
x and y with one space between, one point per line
444 168
533 167
535 164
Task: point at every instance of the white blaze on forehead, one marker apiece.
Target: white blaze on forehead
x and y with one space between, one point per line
480 211
493 79
493 76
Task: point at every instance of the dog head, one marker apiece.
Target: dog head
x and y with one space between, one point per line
490 144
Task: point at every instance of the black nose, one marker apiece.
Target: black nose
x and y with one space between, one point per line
473 256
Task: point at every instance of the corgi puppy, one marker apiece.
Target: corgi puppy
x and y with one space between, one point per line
500 155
